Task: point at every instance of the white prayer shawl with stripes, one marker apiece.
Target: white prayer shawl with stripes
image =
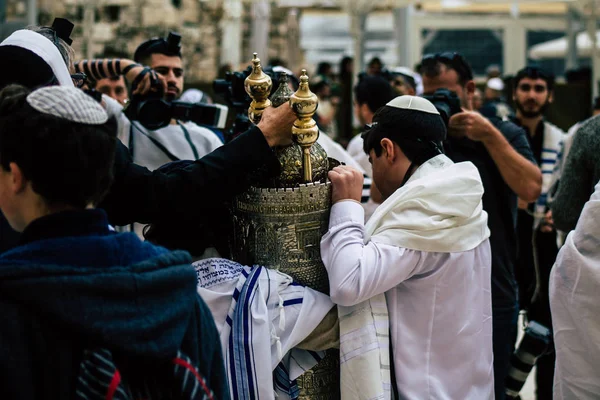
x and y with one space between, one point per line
261 315
365 371
551 151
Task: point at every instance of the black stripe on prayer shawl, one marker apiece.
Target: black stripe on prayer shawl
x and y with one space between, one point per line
118 66
109 65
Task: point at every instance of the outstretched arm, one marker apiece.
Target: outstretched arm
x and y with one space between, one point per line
357 271
139 195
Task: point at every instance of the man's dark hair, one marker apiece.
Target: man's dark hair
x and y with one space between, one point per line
171 46
431 66
533 72
375 91
375 60
67 163
277 62
596 105
419 134
324 68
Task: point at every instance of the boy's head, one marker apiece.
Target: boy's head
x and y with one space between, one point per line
405 133
57 149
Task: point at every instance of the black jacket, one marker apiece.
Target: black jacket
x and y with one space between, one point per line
72 285
197 191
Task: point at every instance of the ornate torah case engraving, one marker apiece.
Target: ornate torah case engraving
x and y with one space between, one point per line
279 223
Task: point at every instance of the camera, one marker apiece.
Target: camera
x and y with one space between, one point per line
233 90
154 112
535 343
446 102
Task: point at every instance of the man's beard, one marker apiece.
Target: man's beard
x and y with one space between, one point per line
170 96
531 114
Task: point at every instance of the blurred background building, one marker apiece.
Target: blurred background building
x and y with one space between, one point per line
223 34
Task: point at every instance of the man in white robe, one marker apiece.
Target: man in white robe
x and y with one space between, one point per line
575 306
426 248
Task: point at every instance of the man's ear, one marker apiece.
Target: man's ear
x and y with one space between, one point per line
551 96
388 150
18 181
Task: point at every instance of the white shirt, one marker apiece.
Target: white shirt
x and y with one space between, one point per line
575 306
439 306
191 143
148 153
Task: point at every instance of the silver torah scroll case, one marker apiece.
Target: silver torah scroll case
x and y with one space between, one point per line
278 223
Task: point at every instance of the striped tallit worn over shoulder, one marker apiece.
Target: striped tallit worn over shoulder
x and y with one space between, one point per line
551 151
262 317
100 379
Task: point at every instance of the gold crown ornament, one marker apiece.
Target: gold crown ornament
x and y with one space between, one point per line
305 131
258 86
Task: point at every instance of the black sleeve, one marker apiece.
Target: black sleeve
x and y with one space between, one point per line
140 195
517 137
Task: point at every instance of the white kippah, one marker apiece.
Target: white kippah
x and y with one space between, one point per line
496 84
413 103
68 103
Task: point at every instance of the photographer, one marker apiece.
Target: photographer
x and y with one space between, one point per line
501 153
176 141
137 194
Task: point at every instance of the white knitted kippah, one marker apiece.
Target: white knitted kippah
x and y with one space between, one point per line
413 103
68 103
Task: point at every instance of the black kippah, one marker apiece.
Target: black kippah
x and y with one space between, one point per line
169 47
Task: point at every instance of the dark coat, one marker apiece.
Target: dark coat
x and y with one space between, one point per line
196 192
74 285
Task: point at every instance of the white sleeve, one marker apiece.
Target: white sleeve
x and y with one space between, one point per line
115 109
357 271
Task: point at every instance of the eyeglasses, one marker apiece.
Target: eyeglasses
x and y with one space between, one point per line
453 59
79 79
526 87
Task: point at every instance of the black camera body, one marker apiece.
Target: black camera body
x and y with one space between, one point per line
234 92
154 112
446 102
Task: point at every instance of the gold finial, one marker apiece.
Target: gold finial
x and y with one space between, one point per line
305 131
258 86
283 92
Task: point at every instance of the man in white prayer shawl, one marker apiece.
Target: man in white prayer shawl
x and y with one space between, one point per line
575 306
265 320
425 251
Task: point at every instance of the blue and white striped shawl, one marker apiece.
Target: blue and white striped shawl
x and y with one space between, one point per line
261 315
551 153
